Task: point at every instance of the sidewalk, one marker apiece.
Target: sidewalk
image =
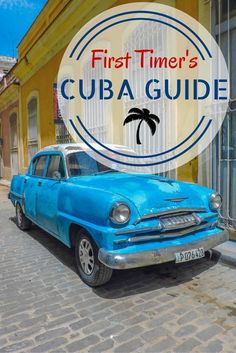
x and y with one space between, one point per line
227 252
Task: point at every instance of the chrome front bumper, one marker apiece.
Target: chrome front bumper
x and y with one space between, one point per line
118 261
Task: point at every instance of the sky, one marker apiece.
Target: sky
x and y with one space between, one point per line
16 16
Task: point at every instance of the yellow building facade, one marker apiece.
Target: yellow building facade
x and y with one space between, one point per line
40 53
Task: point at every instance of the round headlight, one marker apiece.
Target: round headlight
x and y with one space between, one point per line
120 213
215 201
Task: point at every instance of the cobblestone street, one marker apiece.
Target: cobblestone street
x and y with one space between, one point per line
45 307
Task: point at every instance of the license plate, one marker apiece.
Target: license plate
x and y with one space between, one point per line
189 255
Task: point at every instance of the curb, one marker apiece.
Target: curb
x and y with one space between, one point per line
226 253
4 182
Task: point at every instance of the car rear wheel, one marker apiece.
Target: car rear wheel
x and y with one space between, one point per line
90 269
21 220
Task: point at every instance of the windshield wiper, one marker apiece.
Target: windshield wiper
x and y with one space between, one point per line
107 171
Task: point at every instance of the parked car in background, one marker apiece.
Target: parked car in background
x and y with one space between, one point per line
112 219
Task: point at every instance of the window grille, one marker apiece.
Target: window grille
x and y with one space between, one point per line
32 128
146 35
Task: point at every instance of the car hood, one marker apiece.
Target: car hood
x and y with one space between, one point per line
149 193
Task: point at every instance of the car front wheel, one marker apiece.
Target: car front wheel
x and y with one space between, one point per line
21 220
90 269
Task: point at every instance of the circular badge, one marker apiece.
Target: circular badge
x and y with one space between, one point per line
144 87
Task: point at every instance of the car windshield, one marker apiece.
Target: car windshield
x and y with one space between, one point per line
81 164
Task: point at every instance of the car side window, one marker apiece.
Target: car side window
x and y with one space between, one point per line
39 165
55 165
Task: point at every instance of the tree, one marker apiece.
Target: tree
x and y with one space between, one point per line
142 115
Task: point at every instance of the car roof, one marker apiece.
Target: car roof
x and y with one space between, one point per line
73 147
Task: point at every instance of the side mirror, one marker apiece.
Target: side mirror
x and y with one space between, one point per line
56 175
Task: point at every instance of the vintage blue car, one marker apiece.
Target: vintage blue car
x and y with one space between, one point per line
114 220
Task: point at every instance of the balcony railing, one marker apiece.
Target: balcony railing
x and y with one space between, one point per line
6 81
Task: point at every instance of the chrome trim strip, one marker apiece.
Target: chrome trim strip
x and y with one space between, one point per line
173 211
15 194
208 216
165 234
177 199
169 235
159 227
139 230
115 259
169 212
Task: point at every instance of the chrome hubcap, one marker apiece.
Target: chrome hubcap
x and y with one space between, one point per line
86 256
19 214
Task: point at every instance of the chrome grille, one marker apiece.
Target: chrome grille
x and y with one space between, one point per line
178 222
170 212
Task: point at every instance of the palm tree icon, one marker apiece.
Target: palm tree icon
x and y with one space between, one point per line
142 115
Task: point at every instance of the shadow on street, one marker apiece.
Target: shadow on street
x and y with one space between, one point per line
128 282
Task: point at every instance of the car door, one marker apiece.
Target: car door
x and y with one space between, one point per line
48 193
31 184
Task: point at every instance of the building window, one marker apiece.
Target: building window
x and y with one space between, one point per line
155 36
32 128
94 110
14 144
62 134
13 129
